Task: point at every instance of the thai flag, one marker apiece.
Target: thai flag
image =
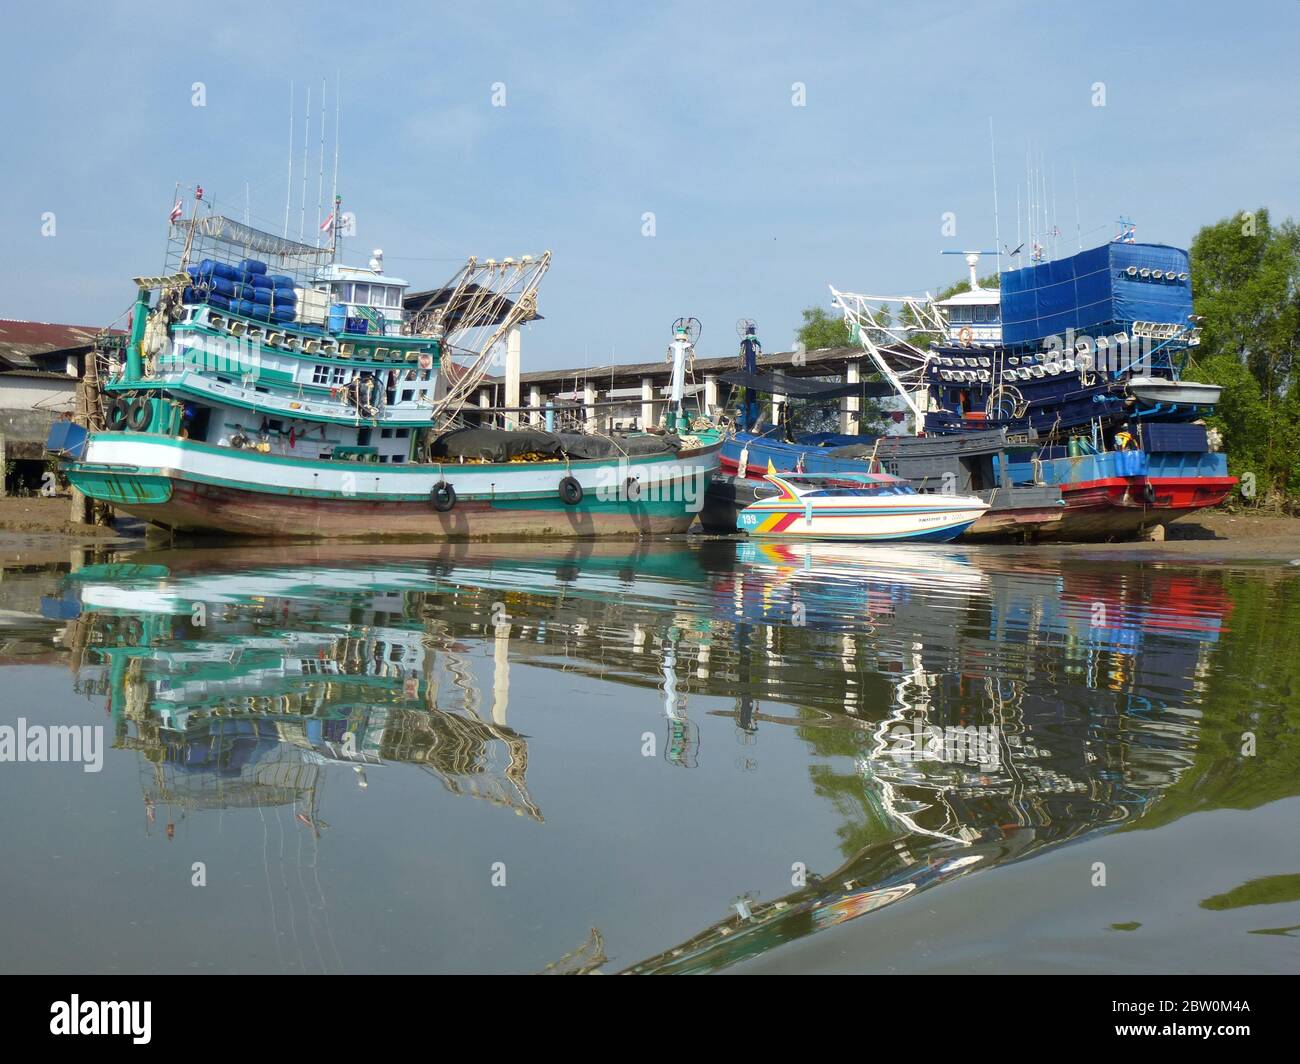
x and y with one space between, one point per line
327 222
198 192
177 211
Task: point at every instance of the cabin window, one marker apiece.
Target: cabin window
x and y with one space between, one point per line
407 395
327 374
402 434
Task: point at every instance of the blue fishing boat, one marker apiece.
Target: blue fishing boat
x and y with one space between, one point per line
1080 360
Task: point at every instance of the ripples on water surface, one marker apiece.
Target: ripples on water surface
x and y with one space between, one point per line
658 758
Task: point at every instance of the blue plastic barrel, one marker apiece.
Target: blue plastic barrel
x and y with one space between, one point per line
252 266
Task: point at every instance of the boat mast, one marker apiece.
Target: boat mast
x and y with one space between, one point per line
288 186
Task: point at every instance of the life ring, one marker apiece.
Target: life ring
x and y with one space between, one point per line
570 491
118 410
443 496
632 489
965 336
141 413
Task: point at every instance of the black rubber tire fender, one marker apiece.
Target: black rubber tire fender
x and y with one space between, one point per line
141 413
117 413
443 497
570 491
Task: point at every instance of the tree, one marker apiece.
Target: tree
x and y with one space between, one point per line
993 280
819 330
1246 286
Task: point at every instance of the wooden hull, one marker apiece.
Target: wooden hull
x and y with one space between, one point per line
1121 507
204 509
203 490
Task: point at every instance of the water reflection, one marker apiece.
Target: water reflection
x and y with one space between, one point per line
961 709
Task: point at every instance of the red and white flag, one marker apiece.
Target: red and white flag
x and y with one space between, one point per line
198 192
177 211
327 223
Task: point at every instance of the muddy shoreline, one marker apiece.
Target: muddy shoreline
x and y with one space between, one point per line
41 526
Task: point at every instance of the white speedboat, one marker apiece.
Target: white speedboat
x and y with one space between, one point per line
868 507
1178 393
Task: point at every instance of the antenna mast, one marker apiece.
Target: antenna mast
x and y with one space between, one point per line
320 181
302 203
1078 224
997 236
334 194
288 188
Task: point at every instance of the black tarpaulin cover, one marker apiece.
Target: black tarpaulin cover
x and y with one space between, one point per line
801 388
501 445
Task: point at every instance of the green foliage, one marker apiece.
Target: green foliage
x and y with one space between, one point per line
820 330
993 280
1246 285
1256 696
1270 890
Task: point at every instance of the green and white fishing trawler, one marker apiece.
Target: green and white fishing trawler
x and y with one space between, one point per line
264 388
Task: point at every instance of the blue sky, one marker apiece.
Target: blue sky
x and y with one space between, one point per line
684 110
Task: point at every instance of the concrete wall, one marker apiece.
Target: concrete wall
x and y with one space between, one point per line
28 393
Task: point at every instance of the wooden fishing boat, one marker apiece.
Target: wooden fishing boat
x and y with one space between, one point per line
269 390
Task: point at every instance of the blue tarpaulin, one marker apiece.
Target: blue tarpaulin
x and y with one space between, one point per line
1093 293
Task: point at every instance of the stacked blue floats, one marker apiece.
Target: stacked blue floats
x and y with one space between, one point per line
245 288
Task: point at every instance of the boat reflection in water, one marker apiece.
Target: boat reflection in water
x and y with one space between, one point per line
965 708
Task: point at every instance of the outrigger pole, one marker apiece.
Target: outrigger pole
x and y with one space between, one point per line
908 379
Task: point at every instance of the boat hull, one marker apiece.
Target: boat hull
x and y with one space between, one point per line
911 518
199 489
1018 512
1121 507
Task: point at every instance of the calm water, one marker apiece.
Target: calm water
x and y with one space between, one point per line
680 757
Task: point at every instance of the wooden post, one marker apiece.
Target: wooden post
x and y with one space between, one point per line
81 513
4 487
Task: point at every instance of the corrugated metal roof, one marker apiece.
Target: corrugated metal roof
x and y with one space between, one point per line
19 340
